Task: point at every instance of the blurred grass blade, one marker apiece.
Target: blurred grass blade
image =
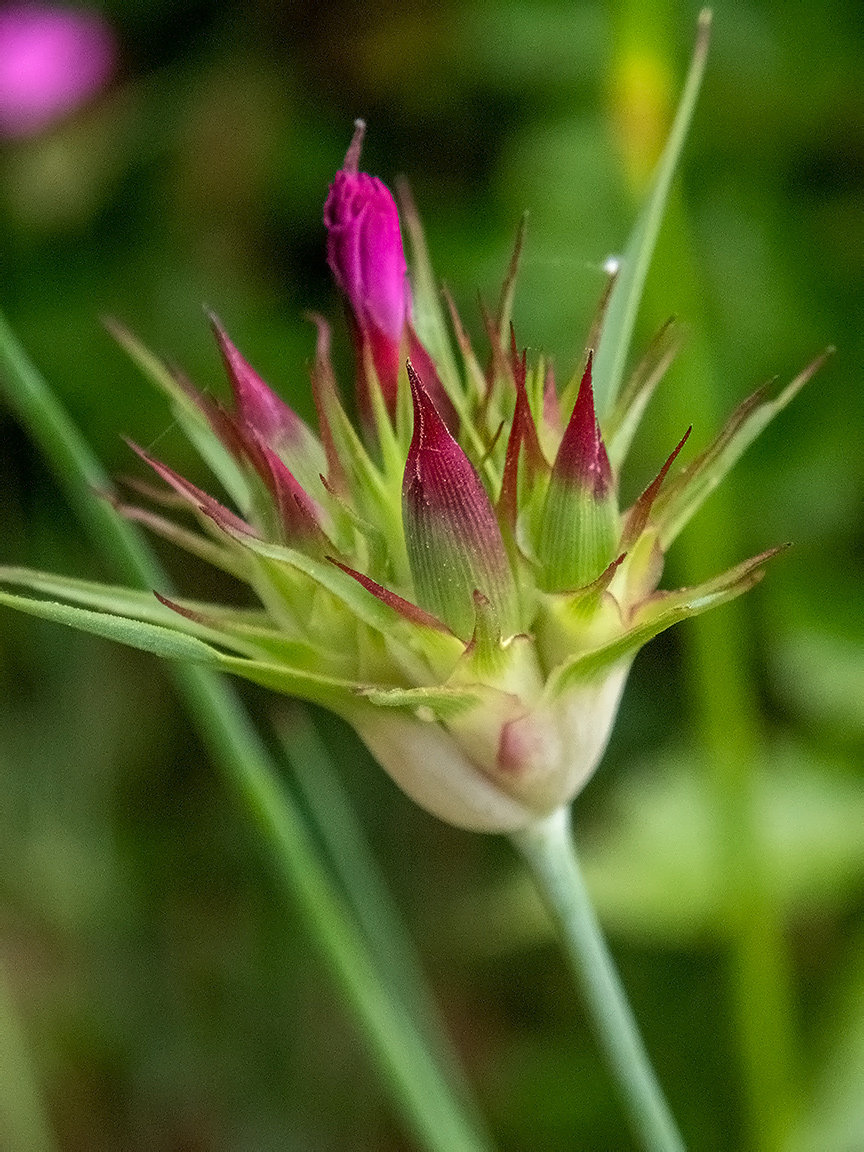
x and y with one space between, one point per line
833 1120
362 880
24 1125
144 606
419 1086
611 354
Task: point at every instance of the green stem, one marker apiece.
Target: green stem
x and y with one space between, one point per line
419 1087
548 848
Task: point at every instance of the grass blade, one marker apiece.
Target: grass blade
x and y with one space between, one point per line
611 354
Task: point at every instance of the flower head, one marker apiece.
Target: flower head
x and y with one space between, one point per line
52 60
462 586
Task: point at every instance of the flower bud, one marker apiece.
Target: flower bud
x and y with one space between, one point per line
365 254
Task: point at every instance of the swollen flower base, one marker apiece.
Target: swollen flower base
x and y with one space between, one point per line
458 581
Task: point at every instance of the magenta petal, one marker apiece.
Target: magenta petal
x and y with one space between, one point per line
582 460
386 359
365 253
411 612
453 539
52 60
223 517
366 256
382 261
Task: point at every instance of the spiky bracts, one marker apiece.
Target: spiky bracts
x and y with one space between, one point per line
458 581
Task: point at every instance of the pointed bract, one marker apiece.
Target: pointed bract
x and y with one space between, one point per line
579 525
638 516
522 443
299 514
528 432
256 403
582 460
508 288
485 653
411 612
453 539
684 495
220 515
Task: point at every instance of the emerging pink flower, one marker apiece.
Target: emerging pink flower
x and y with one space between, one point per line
366 257
365 253
52 60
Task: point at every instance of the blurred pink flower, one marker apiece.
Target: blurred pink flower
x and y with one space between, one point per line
51 61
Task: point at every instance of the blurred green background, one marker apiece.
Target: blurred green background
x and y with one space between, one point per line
166 997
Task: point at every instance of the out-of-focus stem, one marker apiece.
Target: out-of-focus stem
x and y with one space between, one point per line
720 675
24 1123
338 826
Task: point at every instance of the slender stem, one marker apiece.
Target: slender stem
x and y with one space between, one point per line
548 848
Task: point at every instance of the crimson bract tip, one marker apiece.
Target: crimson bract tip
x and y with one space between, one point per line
582 457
